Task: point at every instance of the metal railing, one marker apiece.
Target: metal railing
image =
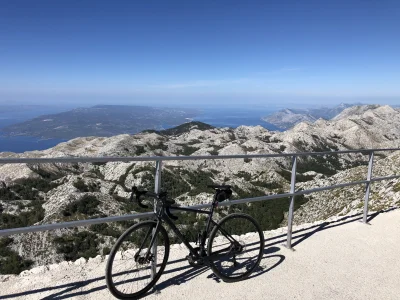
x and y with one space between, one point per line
159 159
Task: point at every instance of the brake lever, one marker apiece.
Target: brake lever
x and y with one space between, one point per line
138 193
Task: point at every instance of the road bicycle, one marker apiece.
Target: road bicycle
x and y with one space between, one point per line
231 247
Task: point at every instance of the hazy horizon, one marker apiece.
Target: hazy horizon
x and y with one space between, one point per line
189 54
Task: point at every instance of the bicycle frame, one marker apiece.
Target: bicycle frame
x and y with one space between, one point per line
162 216
179 234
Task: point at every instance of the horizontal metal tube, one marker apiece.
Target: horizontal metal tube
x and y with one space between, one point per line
164 158
330 187
45 227
246 200
385 178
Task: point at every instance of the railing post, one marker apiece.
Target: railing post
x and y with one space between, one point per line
291 207
157 189
368 186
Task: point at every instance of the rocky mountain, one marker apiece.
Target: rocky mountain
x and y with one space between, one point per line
100 120
39 194
357 127
287 118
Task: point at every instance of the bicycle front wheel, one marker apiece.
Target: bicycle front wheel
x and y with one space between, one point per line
235 247
129 266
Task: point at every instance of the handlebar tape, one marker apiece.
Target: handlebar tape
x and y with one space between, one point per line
138 194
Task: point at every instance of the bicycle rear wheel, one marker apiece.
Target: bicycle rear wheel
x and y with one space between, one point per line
235 247
129 265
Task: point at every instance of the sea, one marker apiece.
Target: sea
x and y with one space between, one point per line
216 117
19 144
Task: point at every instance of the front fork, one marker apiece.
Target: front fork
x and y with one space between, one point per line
148 256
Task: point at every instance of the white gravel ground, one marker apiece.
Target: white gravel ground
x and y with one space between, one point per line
337 260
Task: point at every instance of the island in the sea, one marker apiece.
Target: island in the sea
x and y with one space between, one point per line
100 120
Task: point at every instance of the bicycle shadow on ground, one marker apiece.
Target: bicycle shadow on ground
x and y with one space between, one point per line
192 272
187 273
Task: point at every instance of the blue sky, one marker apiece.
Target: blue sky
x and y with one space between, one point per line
268 53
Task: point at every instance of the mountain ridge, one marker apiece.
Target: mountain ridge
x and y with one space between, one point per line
287 118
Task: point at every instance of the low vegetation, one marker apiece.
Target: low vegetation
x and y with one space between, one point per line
186 128
74 246
10 261
86 206
34 214
83 187
186 150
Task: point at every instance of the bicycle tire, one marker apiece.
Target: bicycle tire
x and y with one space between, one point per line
219 248
126 241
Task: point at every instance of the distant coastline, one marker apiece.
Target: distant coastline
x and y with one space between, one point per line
215 117
20 144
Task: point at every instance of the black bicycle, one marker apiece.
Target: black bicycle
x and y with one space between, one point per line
137 260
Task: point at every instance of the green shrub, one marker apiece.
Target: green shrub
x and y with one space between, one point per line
268 185
106 250
173 184
249 149
193 142
105 229
81 185
24 219
27 189
327 164
159 146
87 206
213 152
10 261
82 244
252 192
185 128
140 150
37 183
7 194
245 175
199 181
269 214
186 150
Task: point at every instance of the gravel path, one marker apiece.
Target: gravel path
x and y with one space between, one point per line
333 260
